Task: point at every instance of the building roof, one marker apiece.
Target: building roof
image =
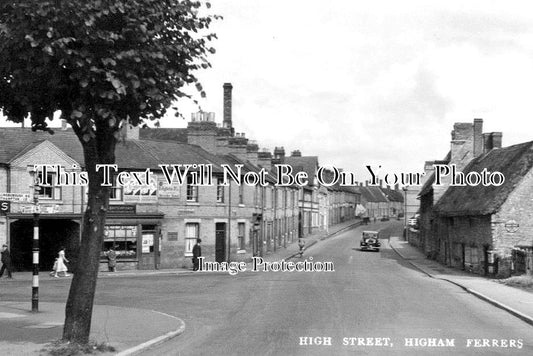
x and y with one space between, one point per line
166 134
129 154
15 141
373 194
514 162
393 195
307 164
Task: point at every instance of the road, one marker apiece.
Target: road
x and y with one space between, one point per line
374 303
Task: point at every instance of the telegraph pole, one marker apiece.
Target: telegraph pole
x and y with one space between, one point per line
35 248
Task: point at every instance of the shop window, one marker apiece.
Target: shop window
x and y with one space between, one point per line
220 190
241 236
192 232
48 191
192 190
123 239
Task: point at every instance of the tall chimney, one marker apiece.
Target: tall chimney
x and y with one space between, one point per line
227 106
478 137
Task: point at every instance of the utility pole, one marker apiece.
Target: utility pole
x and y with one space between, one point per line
35 247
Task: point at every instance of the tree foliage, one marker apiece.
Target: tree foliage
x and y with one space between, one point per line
98 62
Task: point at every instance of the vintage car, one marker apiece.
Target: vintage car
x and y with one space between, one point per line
370 241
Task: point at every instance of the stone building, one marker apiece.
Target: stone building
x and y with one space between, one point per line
477 228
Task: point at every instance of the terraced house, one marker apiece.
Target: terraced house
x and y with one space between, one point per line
155 224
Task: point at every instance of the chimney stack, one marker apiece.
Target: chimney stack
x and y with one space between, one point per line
478 137
496 139
296 153
226 123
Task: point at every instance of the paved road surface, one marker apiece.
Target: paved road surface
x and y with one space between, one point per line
371 295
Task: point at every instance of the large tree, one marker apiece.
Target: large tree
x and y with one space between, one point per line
98 63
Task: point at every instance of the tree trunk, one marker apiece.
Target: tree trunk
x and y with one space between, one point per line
79 307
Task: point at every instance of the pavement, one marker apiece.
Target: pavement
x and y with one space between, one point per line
516 301
128 330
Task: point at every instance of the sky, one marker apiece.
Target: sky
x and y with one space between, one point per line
377 83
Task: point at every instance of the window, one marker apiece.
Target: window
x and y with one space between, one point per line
123 239
115 192
220 190
48 190
192 190
241 194
242 242
192 232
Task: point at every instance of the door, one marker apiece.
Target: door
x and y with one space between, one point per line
220 242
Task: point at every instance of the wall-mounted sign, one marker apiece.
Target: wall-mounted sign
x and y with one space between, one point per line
5 207
121 209
511 226
134 193
165 190
16 197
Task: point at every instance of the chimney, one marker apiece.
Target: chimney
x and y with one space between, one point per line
264 159
496 139
487 142
226 123
462 144
478 137
252 152
202 131
279 155
296 153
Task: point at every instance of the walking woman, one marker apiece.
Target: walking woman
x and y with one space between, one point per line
61 267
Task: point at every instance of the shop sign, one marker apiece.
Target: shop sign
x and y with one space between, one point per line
121 209
40 209
135 193
16 197
165 190
5 207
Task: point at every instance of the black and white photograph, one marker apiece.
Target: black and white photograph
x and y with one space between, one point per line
245 177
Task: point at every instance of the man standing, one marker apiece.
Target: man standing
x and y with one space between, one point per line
111 259
6 262
196 252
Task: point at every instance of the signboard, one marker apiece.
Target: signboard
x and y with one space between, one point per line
165 190
511 226
122 209
135 193
5 207
16 197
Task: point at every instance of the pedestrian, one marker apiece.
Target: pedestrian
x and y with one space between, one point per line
301 245
111 259
196 252
61 267
6 262
54 268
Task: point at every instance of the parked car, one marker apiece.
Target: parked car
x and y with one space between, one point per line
370 241
385 218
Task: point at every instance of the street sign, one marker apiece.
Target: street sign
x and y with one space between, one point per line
5 207
16 197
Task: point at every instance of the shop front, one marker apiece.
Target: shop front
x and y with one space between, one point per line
136 240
